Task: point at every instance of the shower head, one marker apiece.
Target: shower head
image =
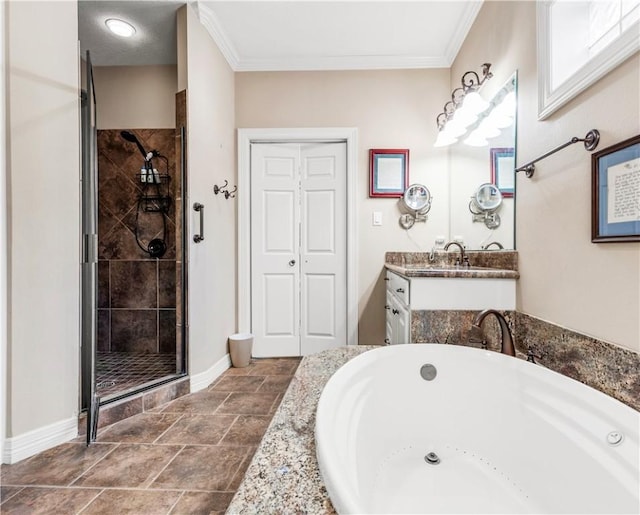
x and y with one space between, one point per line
129 136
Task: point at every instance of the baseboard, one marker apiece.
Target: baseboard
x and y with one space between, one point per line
203 379
23 446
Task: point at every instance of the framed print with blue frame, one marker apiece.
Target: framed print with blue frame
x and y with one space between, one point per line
389 172
615 188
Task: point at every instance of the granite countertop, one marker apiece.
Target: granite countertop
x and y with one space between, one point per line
283 476
427 270
502 264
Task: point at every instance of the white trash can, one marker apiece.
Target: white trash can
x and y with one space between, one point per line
240 345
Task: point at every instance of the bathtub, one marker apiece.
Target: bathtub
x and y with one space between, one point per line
488 434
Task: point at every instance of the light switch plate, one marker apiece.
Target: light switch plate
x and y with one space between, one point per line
377 218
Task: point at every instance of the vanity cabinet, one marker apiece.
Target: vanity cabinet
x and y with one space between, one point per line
398 322
442 290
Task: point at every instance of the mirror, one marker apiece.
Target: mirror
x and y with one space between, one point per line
485 174
416 200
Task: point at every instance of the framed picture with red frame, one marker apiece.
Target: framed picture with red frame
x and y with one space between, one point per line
389 172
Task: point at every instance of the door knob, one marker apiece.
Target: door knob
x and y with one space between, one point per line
292 262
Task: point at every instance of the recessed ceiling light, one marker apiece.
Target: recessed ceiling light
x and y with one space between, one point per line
120 28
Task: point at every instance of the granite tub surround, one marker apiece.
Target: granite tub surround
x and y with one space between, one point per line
284 476
484 264
454 326
611 369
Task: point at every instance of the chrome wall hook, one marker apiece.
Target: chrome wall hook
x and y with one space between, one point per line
225 190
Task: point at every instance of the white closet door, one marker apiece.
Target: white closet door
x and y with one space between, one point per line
298 247
275 277
323 292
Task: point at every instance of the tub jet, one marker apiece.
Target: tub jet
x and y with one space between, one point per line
432 458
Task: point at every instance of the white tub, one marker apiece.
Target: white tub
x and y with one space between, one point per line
512 437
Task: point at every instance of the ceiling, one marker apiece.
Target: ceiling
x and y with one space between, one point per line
287 35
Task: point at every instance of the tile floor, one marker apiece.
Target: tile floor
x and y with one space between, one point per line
185 457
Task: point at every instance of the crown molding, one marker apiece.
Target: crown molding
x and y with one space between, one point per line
215 30
325 63
468 17
364 62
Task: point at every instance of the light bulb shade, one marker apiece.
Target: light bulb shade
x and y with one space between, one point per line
444 139
508 105
476 139
453 129
499 120
464 117
120 27
474 103
488 130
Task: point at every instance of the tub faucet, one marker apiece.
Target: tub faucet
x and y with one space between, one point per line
506 346
463 259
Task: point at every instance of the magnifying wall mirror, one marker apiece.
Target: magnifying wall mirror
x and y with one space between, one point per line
416 200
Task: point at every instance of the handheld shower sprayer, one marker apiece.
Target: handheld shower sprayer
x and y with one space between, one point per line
129 136
153 201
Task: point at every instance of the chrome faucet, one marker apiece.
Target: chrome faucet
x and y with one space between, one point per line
463 259
496 243
506 346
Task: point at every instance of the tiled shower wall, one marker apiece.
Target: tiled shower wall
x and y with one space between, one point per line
136 293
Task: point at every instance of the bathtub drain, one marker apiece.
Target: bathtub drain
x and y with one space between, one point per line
432 458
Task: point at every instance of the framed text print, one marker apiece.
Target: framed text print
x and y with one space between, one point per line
615 198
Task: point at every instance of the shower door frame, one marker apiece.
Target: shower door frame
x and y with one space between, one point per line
89 399
89 265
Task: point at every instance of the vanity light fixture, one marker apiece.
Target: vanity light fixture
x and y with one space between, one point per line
464 107
120 27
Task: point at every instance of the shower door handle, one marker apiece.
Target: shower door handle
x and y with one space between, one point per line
200 209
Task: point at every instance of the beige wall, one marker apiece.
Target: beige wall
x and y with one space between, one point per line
391 109
211 160
44 217
136 97
565 279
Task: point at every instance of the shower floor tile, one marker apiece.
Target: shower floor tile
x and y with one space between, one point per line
188 456
120 371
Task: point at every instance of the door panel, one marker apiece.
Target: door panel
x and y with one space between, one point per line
321 292
278 222
279 305
319 222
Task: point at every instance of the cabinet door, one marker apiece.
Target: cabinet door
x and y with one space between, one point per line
389 318
402 327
